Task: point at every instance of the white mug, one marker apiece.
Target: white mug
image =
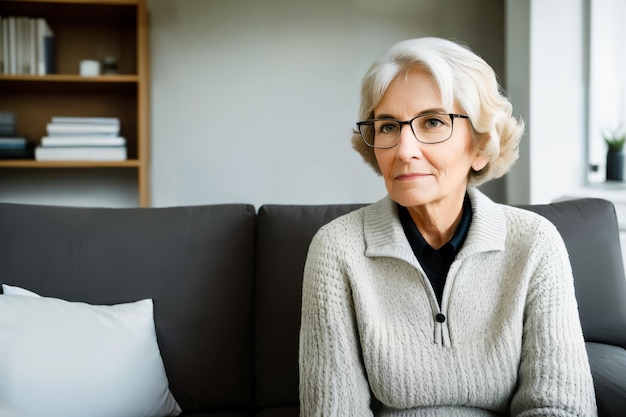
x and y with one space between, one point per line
89 68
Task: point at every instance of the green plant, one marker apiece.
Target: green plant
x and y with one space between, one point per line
615 139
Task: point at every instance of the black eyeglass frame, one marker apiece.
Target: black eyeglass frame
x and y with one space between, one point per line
410 123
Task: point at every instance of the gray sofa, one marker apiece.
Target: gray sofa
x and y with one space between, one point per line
226 283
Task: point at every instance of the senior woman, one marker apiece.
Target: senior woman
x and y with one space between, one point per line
436 301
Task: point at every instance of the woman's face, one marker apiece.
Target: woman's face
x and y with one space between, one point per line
419 174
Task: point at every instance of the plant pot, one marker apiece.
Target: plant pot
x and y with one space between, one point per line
615 165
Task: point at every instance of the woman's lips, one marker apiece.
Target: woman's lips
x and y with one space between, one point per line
411 176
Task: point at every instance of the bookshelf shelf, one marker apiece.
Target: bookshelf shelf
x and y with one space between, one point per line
20 163
69 78
86 29
105 2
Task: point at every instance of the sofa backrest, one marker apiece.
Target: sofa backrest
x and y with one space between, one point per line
590 230
196 263
284 233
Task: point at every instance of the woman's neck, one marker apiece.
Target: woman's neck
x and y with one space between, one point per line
437 222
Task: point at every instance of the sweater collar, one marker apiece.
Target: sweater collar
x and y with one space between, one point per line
416 239
384 235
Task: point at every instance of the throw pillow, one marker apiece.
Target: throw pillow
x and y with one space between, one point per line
70 359
11 290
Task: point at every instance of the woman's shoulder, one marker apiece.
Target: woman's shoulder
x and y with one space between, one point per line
516 218
351 226
348 222
508 222
527 219
533 230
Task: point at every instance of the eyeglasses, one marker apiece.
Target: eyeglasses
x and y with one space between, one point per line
427 128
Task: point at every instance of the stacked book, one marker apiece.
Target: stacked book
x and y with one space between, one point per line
82 139
26 46
12 146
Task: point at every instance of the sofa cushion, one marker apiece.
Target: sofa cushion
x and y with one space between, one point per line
195 263
74 359
280 412
284 233
591 234
608 367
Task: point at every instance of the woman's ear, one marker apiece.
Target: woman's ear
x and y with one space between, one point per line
479 163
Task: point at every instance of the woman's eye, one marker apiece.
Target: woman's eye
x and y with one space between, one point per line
388 128
433 123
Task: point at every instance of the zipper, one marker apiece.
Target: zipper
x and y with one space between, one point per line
442 329
441 333
440 319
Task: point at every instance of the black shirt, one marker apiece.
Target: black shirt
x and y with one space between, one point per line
436 262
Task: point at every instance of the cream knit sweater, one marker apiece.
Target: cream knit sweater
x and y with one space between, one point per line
505 341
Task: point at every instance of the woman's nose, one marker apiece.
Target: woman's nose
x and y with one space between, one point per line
408 146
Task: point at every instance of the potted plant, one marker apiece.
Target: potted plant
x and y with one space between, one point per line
615 141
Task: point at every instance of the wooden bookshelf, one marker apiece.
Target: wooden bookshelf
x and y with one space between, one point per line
87 29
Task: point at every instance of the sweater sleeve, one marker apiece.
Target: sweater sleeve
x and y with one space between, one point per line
554 374
333 380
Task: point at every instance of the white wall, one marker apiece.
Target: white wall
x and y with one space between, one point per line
255 101
546 78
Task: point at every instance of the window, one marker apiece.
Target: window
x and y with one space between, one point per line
607 79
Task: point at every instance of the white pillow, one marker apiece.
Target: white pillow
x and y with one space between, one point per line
67 359
11 290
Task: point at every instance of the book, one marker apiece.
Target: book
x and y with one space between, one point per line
15 142
5 46
7 117
25 42
78 140
27 152
12 45
7 124
17 37
44 48
23 39
80 153
2 71
32 45
86 120
49 48
65 129
7 130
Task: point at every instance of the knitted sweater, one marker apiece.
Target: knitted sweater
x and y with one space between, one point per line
506 339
